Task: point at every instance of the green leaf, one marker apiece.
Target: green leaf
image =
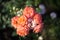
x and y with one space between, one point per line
38 10
14 34
29 3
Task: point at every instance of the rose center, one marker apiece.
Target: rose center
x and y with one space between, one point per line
31 23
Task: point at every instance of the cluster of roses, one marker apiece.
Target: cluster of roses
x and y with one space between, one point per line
30 20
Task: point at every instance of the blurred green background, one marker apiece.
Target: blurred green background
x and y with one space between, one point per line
10 8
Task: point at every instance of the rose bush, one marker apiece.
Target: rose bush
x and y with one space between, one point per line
29 20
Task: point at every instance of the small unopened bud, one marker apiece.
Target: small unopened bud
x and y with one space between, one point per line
40 38
19 12
53 15
13 8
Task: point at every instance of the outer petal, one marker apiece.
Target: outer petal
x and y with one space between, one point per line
38 28
14 21
28 11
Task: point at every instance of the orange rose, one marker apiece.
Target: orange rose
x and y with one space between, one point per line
28 12
37 18
22 20
14 21
23 30
38 23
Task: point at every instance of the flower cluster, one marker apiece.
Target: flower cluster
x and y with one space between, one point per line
29 20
